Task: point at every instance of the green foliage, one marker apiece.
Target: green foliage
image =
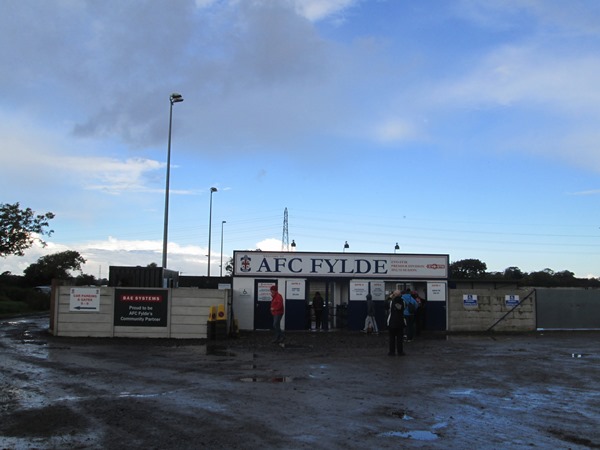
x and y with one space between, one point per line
468 269
55 266
513 273
85 280
9 307
14 299
475 269
20 228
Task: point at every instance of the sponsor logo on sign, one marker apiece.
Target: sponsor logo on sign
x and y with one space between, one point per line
436 266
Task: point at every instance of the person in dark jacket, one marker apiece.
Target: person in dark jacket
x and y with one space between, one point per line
395 323
318 305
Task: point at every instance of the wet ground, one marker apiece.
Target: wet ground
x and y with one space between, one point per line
328 390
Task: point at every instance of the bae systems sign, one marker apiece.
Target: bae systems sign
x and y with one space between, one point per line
294 264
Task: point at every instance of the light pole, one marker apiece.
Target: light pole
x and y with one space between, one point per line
346 246
221 271
212 190
174 98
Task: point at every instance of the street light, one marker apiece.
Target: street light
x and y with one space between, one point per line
222 223
175 98
396 248
346 246
212 190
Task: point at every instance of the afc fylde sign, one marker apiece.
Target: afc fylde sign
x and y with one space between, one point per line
340 265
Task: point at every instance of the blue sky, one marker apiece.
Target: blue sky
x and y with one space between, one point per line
466 127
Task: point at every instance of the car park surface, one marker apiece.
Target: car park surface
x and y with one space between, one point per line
329 390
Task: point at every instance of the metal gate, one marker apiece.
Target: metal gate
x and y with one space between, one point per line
567 309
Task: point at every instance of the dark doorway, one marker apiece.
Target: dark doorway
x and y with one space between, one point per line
263 320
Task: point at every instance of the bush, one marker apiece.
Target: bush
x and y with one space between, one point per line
33 300
11 307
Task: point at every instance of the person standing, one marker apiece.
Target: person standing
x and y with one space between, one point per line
277 310
410 308
370 321
395 323
318 305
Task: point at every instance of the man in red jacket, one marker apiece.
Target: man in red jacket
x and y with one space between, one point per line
277 311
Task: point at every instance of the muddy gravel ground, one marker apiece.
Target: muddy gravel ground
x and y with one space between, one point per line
327 390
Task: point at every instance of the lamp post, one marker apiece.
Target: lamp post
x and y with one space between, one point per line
212 190
346 246
396 247
175 98
221 271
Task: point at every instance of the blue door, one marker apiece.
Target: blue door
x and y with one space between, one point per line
435 315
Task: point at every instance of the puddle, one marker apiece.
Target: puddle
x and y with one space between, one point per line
402 415
217 351
267 379
34 342
417 435
462 392
248 366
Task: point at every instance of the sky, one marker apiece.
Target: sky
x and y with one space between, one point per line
459 127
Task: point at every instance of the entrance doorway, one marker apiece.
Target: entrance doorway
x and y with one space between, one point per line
263 320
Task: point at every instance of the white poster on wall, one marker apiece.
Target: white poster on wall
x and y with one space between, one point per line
436 292
264 291
84 299
511 300
470 301
295 290
359 290
378 290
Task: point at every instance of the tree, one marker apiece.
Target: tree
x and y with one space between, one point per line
85 279
513 273
229 267
20 228
542 278
57 265
467 268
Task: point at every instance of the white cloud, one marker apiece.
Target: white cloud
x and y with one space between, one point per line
269 245
394 130
513 75
581 17
315 10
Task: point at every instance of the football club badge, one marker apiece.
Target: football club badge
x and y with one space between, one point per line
245 263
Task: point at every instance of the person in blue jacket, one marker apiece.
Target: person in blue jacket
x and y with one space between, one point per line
410 308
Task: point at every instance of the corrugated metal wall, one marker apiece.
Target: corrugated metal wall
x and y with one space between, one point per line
567 309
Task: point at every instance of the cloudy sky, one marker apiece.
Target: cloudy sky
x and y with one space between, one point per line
461 127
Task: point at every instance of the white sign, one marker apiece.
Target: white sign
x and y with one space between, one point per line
264 291
84 299
359 290
357 265
470 301
436 292
295 290
511 300
378 290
